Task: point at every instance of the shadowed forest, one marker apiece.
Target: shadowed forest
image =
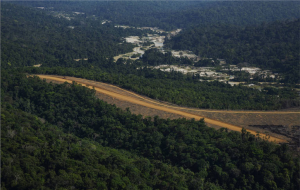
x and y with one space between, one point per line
60 136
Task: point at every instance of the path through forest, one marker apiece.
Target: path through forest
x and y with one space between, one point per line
157 105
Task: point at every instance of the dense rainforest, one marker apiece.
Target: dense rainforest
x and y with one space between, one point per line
35 40
169 15
60 136
272 46
68 139
38 155
30 36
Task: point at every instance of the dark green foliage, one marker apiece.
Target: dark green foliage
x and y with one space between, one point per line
180 89
41 156
30 36
154 57
273 46
230 159
65 138
58 46
170 15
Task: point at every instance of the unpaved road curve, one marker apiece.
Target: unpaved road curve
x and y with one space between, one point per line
193 109
160 106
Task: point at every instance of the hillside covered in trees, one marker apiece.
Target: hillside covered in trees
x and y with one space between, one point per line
60 136
163 154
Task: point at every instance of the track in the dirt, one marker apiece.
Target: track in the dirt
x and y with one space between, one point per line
147 102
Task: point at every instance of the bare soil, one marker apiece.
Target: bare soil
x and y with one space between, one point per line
233 120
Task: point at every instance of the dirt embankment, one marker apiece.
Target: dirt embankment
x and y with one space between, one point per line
233 120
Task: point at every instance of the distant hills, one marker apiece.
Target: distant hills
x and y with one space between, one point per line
170 15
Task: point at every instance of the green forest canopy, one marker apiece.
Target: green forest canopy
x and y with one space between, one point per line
170 15
63 137
30 36
68 138
272 46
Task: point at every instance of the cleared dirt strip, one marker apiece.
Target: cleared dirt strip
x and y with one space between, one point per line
194 109
164 107
90 82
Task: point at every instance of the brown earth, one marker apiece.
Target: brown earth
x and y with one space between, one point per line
233 120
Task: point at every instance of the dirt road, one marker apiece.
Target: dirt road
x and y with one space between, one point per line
147 102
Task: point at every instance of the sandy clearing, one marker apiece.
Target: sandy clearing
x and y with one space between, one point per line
147 102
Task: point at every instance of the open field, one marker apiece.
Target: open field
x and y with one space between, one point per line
233 120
